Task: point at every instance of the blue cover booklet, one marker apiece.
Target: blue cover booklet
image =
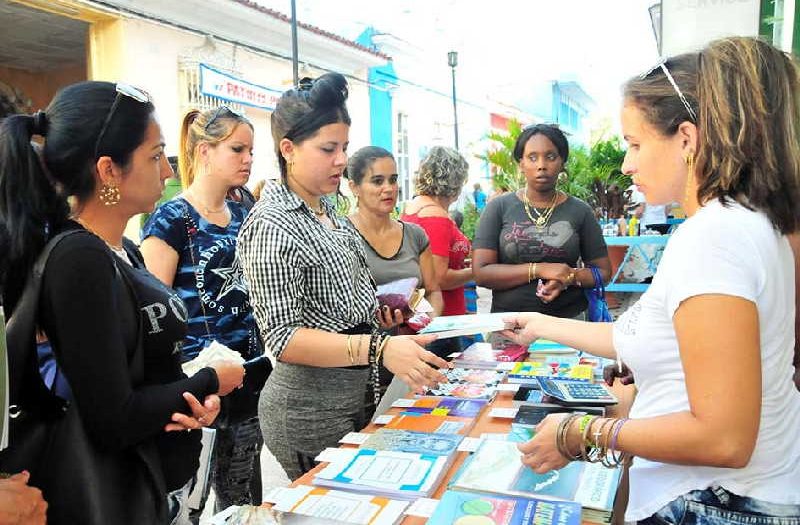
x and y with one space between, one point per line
465 508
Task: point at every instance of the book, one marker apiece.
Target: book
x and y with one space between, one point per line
402 475
482 355
546 346
561 367
431 423
411 441
532 415
457 325
530 395
458 507
344 507
496 467
448 406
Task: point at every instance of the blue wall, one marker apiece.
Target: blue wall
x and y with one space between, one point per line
381 79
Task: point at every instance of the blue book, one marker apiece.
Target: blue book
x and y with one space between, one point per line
413 442
490 509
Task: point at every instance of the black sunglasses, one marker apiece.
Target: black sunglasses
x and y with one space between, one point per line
220 111
123 90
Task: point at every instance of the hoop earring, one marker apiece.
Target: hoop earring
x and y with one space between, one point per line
562 177
689 159
109 195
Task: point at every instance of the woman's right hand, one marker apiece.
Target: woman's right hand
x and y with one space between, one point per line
523 328
558 271
230 375
406 358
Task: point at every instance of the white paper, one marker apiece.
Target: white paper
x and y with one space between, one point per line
494 436
331 455
354 438
213 352
207 439
469 444
383 420
404 403
506 365
508 387
423 507
455 354
505 413
222 517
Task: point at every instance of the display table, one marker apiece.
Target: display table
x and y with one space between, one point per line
647 248
486 424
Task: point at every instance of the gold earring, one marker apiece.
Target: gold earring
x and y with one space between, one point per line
689 159
562 177
109 195
289 167
357 198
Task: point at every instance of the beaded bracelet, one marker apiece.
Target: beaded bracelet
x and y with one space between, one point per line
375 339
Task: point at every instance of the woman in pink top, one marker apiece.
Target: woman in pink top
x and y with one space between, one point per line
440 177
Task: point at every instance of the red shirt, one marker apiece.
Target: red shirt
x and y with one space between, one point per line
446 241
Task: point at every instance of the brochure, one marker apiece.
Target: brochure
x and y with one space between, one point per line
458 325
345 507
458 508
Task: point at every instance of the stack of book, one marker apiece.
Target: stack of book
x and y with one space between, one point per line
482 355
468 384
421 422
443 406
568 367
496 467
458 507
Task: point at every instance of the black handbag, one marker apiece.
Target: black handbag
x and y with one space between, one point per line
80 482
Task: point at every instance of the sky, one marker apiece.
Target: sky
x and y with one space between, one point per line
504 45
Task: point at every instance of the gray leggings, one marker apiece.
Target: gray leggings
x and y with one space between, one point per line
305 409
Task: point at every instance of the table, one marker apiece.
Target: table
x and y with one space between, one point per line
484 424
633 245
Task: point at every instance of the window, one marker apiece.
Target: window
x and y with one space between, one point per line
401 155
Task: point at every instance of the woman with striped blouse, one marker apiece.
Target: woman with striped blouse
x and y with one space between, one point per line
312 293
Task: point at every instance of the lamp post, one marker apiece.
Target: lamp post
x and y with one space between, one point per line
295 74
452 61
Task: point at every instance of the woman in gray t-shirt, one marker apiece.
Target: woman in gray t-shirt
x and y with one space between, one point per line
529 243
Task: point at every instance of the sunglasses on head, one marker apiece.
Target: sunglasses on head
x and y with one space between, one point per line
123 90
663 66
221 110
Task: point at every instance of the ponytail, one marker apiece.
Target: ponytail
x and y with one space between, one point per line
30 206
186 150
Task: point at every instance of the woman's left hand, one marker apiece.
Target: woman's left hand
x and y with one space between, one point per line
540 453
389 319
550 290
202 415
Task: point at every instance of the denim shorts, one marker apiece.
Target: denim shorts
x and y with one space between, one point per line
715 506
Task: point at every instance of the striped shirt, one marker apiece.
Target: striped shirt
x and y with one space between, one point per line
302 274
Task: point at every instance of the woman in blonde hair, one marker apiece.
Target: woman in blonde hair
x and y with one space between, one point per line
715 422
190 244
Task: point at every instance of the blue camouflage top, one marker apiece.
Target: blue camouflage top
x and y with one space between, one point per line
209 276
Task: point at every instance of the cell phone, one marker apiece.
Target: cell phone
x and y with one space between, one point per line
573 393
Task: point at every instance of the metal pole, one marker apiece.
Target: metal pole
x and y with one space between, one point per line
295 61
455 112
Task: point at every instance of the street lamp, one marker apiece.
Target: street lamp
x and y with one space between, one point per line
452 61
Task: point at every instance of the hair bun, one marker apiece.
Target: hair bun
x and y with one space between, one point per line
328 90
39 123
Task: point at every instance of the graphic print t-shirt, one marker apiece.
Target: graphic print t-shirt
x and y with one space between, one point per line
571 234
209 276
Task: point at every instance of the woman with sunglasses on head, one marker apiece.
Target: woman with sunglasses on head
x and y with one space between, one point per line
113 327
190 244
529 244
313 295
715 421
394 249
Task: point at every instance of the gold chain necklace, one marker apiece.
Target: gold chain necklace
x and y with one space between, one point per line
115 247
541 219
206 209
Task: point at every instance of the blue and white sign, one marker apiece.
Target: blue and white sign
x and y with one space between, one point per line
214 83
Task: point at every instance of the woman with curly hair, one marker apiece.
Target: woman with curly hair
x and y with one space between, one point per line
440 178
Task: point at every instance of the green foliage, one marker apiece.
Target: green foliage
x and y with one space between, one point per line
470 220
591 173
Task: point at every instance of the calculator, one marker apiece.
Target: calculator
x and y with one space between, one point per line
572 393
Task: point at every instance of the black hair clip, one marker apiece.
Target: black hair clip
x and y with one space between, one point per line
305 84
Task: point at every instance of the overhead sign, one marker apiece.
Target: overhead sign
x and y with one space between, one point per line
688 25
215 83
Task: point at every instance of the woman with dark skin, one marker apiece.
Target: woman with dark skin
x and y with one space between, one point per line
539 234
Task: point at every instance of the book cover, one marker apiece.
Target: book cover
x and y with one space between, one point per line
465 508
532 415
344 507
431 423
413 442
474 376
463 391
448 406
560 367
545 346
458 325
395 474
482 355
496 467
